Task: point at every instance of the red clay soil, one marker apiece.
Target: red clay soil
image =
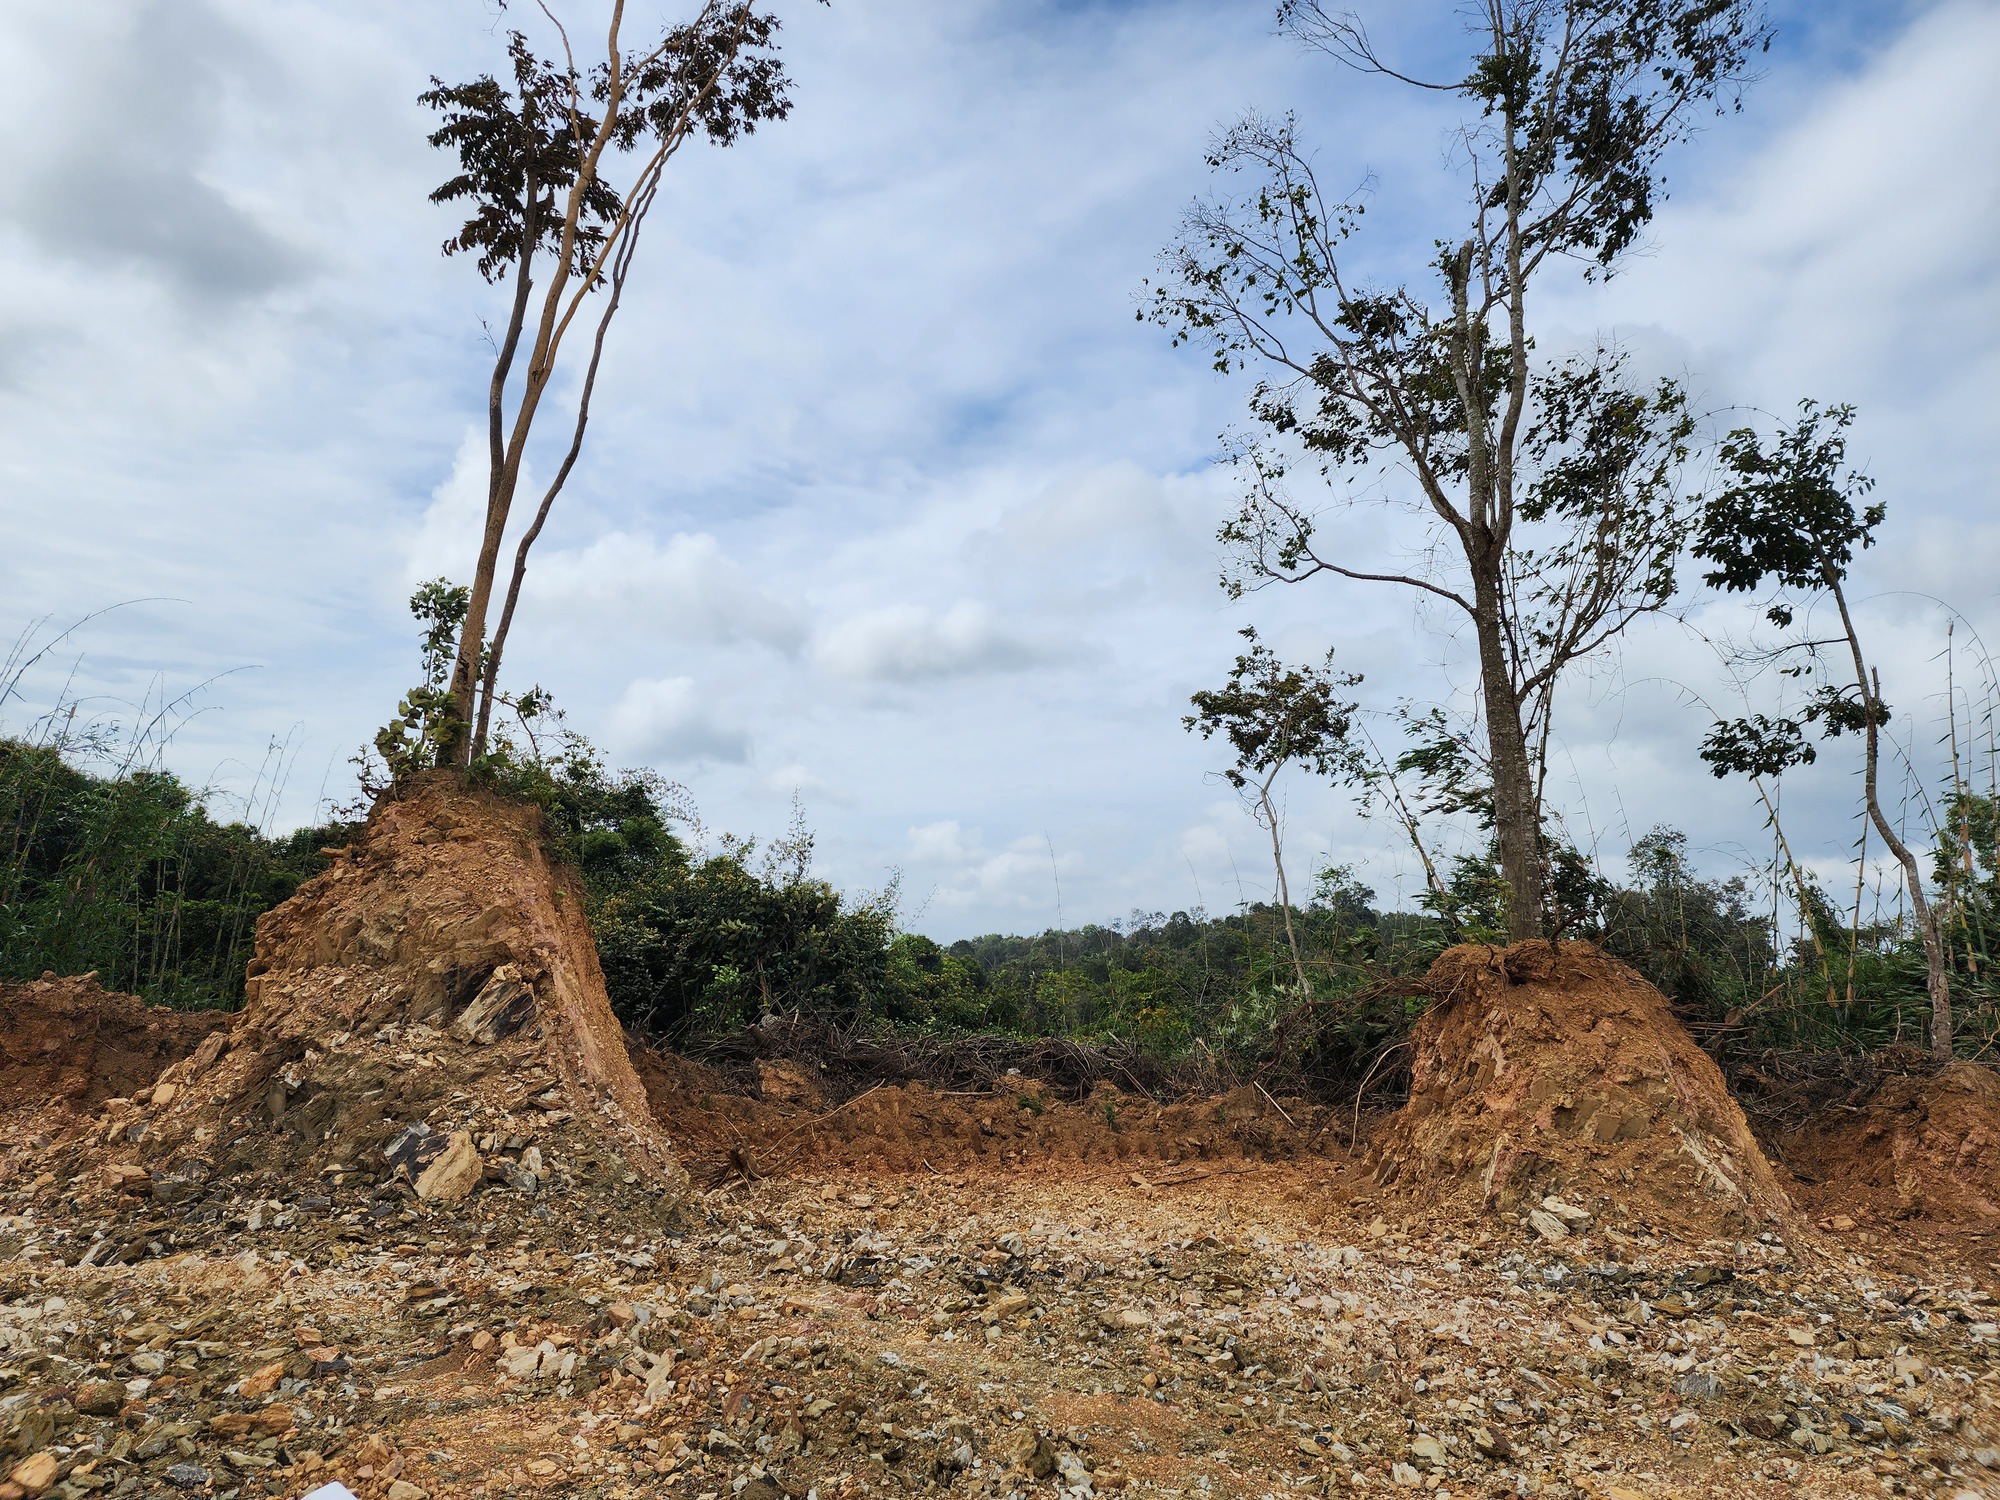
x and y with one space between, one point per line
1550 1070
1919 1147
440 973
793 1130
72 1043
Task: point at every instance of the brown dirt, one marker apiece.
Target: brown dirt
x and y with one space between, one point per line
911 1128
440 973
1917 1147
1550 1069
72 1042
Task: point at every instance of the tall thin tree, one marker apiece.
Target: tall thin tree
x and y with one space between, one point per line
1275 716
1549 492
534 159
1788 516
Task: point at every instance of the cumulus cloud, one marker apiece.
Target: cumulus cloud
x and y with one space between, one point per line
445 540
910 643
685 589
668 721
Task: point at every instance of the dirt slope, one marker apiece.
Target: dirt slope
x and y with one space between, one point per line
431 1002
792 1129
1919 1147
1550 1070
72 1042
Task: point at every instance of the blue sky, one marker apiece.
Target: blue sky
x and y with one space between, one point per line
890 501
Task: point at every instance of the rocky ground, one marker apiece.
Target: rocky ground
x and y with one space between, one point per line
1212 1329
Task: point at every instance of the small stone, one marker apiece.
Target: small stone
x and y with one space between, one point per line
36 1472
1574 1217
1491 1443
456 1171
621 1315
262 1383
1026 1449
150 1362
520 1364
128 1177
1072 1469
99 1398
1427 1450
1803 1337
327 1360
273 1421
187 1476
1699 1385
1012 1305
1403 1475
1547 1225
402 1489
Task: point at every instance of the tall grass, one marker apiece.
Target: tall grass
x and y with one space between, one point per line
110 863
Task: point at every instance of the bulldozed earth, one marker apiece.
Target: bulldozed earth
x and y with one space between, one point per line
418 1221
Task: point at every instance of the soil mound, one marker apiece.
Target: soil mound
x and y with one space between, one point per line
792 1128
1917 1148
1552 1082
72 1042
428 1011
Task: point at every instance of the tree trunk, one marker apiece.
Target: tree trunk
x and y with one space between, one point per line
1284 888
1937 975
1517 823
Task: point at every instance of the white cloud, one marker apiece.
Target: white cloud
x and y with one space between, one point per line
686 590
668 722
909 643
942 842
445 540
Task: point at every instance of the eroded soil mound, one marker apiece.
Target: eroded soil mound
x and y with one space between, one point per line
428 1012
792 1127
1551 1082
1919 1147
72 1042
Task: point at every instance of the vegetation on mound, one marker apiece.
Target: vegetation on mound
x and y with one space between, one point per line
132 875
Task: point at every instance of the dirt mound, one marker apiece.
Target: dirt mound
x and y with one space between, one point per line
1549 1071
429 1011
890 1128
72 1042
1918 1147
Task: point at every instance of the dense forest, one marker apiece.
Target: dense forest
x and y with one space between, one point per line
130 874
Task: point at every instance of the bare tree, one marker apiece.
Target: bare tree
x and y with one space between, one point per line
1788 517
534 156
1548 493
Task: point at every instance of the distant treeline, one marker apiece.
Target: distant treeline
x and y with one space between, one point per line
130 875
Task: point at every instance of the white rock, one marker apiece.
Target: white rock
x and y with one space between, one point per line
1547 1225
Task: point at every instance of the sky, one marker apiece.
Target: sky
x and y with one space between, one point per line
890 503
